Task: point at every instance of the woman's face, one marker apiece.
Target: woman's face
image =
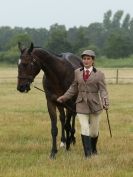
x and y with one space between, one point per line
87 61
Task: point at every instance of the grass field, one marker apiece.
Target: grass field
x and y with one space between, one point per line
25 139
113 75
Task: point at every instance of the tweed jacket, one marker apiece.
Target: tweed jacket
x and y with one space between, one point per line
91 94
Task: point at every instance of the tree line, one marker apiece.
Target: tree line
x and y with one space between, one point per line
112 38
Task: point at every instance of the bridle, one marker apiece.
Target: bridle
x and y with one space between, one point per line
32 63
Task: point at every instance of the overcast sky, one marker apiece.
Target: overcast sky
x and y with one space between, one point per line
44 13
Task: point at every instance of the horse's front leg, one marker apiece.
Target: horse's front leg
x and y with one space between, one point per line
62 120
54 129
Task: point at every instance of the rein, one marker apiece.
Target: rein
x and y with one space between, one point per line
23 77
68 107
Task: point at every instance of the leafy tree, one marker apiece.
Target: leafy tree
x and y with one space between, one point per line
126 22
116 21
81 39
38 36
57 40
96 35
118 46
10 56
112 38
107 20
24 38
118 41
5 35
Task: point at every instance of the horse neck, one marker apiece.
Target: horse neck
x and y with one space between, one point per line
49 63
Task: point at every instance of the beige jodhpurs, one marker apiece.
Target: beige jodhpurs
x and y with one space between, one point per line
89 124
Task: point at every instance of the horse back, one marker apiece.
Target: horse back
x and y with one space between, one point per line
74 60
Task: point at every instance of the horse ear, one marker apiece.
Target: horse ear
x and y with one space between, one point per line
20 46
31 47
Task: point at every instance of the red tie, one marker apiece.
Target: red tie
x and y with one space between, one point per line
86 75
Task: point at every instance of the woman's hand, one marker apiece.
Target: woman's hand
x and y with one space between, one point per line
105 104
60 99
106 107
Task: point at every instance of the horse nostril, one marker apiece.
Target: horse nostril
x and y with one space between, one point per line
23 88
19 88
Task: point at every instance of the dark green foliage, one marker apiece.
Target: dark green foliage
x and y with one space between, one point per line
57 40
119 45
113 38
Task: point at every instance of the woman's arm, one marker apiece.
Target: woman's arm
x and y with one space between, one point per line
73 90
103 92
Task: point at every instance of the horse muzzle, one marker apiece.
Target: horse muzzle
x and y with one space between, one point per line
23 88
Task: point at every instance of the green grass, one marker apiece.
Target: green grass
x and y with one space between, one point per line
114 63
101 62
25 139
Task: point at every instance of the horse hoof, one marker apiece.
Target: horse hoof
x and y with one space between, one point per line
74 141
52 155
62 144
68 147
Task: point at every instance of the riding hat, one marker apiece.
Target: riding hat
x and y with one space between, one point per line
89 53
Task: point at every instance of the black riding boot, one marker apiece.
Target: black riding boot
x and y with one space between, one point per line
94 144
86 140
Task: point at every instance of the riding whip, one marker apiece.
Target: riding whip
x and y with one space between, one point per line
109 123
107 114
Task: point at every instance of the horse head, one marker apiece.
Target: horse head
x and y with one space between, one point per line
27 68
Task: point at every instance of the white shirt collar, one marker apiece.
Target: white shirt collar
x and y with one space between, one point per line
90 69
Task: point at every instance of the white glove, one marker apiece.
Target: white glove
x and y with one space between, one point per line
60 99
105 104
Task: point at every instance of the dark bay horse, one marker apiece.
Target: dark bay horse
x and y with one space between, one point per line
58 76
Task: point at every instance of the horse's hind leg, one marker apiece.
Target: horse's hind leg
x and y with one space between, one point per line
73 139
62 120
68 129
